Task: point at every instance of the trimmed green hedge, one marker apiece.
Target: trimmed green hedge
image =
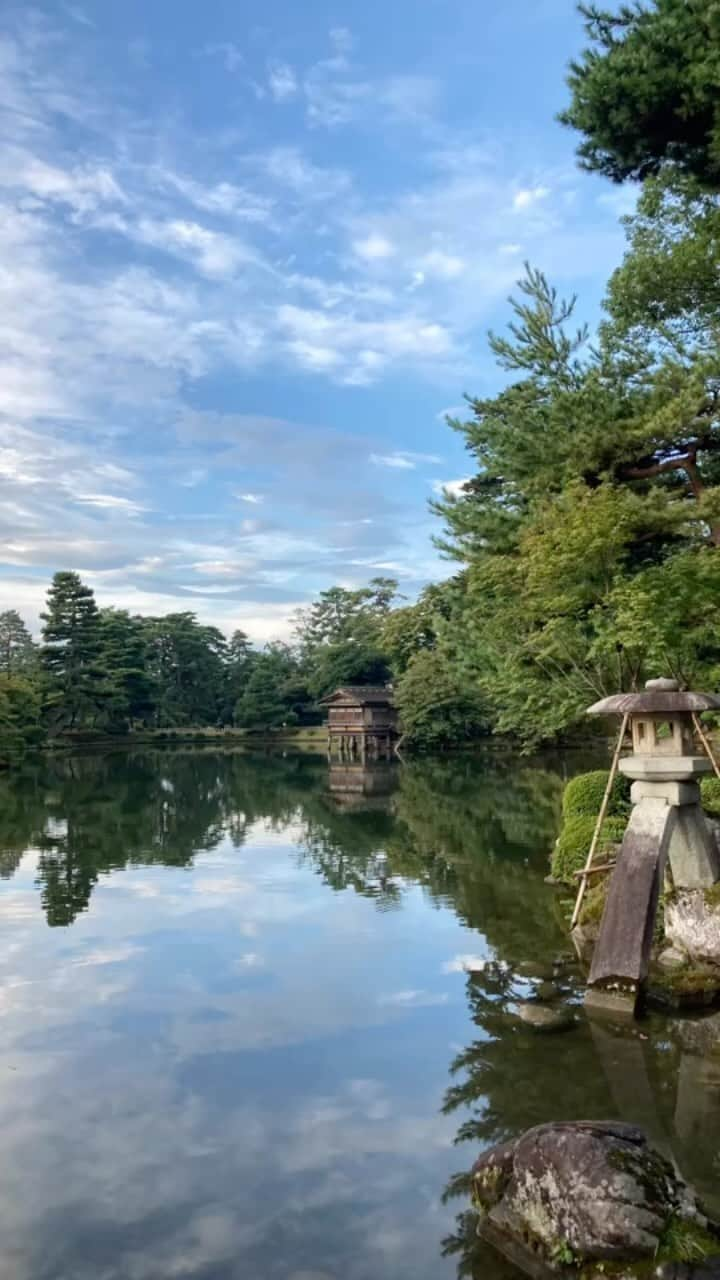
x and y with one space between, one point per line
575 839
710 795
584 795
582 799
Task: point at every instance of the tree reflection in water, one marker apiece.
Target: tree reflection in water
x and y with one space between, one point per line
474 834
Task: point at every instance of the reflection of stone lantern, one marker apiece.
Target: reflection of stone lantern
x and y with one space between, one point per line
667 827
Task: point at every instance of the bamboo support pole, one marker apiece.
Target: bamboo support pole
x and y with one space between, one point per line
706 742
600 820
594 871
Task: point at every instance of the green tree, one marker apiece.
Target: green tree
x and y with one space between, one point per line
340 636
75 681
666 293
437 706
240 658
20 726
646 93
597 489
265 702
124 655
187 663
18 652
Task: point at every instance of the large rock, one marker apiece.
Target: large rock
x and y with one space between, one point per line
692 923
578 1193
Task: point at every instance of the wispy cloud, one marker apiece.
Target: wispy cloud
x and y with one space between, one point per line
450 488
402 459
528 196
282 81
229 54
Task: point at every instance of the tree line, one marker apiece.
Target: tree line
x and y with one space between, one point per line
586 543
107 671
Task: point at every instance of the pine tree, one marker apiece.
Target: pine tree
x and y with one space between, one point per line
76 682
263 704
124 656
17 649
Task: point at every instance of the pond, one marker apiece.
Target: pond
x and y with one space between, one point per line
239 1038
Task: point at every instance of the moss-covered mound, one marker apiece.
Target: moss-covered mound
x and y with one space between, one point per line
710 793
582 799
583 795
574 843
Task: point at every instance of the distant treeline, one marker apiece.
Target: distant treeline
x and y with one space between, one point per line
107 671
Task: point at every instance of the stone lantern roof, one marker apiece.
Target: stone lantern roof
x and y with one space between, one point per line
654 701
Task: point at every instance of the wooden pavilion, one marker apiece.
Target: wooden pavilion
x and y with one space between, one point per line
362 722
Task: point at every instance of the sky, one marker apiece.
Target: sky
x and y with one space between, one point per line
249 256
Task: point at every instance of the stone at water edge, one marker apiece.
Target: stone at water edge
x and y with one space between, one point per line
591 1190
672 958
543 1017
692 924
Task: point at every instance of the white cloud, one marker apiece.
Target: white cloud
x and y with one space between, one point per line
509 250
374 248
397 460
451 488
282 81
107 955
214 253
453 411
110 502
255 499
403 459
528 196
446 266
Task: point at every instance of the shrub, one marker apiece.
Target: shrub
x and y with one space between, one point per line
583 795
575 839
710 796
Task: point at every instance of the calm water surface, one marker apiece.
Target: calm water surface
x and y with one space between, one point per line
238 1039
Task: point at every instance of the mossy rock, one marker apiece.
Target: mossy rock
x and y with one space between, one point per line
594 901
583 795
574 842
710 795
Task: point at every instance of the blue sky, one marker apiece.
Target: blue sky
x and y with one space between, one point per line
250 253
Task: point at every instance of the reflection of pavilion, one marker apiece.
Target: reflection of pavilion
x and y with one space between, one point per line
361 786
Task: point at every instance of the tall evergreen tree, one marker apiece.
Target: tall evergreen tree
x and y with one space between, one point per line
188 667
264 703
75 681
18 652
645 94
124 656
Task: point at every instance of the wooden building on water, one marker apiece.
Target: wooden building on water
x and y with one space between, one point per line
362 722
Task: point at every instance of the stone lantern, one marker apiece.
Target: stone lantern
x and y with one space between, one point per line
666 828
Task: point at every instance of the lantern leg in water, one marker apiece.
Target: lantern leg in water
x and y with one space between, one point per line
622 953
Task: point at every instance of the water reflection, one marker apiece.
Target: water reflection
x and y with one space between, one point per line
257 968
